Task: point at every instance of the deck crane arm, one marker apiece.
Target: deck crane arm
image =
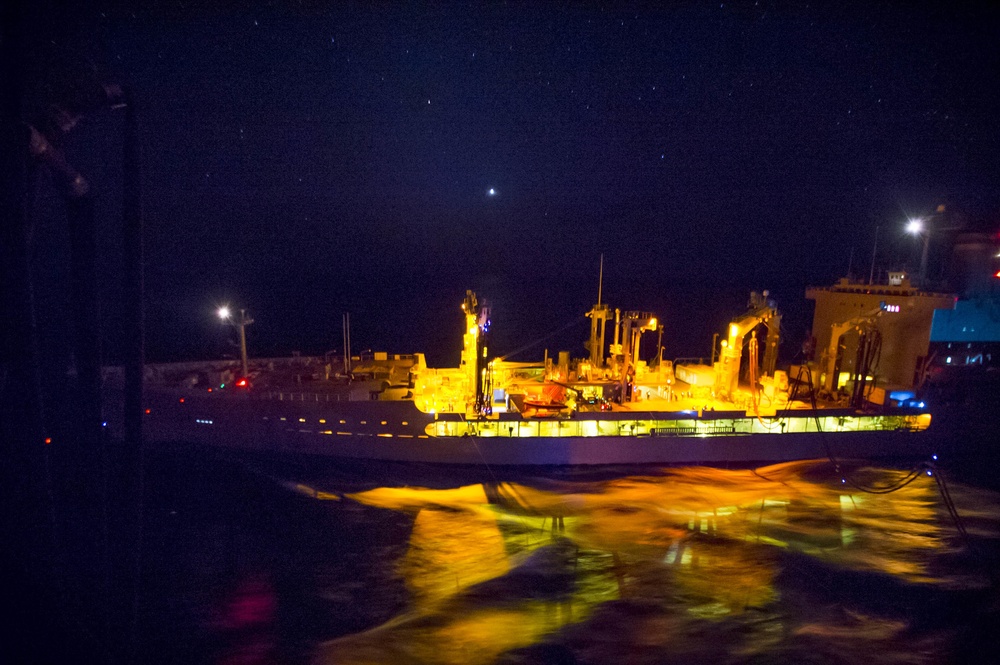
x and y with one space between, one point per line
838 330
728 367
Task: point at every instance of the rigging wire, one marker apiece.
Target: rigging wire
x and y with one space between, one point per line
924 467
527 346
496 481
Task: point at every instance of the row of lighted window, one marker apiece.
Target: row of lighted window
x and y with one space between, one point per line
563 428
382 434
322 421
385 435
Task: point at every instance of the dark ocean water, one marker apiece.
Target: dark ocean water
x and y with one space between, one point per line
297 562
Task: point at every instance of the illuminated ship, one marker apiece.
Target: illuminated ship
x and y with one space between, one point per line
609 408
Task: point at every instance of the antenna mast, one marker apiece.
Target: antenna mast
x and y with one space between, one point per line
599 315
600 281
347 343
871 273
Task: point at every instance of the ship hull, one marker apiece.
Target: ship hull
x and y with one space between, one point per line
396 432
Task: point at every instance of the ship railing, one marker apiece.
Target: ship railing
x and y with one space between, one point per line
283 396
691 361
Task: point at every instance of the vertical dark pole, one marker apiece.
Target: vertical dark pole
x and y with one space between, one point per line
86 315
132 457
243 341
21 424
923 257
84 454
132 278
871 272
27 517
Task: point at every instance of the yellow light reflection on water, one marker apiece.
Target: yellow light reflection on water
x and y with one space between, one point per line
415 498
467 635
450 551
496 566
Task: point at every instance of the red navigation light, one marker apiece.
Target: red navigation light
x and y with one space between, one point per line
147 412
48 440
997 273
182 400
242 383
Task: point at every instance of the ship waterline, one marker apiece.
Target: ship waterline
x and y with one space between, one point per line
397 431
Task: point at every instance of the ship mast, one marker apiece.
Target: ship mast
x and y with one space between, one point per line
475 351
347 343
600 281
599 314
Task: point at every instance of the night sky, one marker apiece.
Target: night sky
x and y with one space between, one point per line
304 160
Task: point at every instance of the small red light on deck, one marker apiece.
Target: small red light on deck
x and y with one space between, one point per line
209 390
182 400
48 440
242 383
147 411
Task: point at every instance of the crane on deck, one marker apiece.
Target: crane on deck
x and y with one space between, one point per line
727 368
868 342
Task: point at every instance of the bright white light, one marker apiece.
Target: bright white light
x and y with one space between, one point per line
223 312
915 226
493 192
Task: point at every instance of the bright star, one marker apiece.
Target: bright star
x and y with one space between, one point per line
493 192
